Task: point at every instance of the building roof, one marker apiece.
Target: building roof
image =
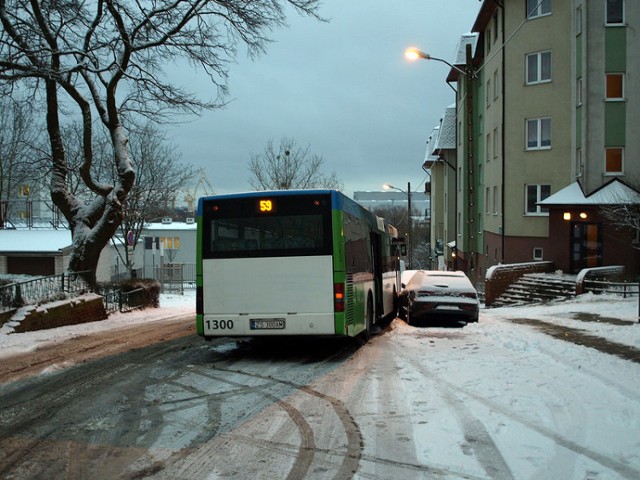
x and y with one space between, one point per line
461 54
34 241
447 136
614 192
487 9
157 226
432 141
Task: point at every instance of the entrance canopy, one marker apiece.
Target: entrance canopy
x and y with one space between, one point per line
614 192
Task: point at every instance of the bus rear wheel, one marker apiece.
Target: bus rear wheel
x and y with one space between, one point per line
369 314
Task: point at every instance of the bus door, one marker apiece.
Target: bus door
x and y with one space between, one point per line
376 259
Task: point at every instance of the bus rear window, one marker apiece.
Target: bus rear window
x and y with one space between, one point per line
282 233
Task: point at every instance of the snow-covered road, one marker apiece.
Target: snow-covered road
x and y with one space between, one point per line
500 399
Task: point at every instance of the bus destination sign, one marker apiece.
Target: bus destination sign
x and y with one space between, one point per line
266 205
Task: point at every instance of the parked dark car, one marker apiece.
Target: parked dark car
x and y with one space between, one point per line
432 293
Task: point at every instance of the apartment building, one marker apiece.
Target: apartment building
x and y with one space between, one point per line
547 100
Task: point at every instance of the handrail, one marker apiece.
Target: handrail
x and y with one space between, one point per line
598 272
29 292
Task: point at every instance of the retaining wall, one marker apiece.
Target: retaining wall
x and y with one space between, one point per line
88 308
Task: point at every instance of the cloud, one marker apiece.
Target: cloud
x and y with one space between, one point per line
342 87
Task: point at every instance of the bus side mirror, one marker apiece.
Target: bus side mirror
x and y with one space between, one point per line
399 247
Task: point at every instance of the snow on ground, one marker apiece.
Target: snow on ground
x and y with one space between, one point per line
171 305
594 310
563 313
517 402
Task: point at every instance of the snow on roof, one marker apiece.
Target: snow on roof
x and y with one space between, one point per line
41 241
431 142
613 193
447 137
169 226
461 51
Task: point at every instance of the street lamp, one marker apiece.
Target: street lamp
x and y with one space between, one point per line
469 74
414 54
388 186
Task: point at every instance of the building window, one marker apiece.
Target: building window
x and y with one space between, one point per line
488 93
615 12
496 85
488 147
487 205
538 133
615 86
614 161
537 8
495 27
495 200
535 194
170 243
488 35
538 253
24 190
538 67
579 91
495 143
579 162
578 20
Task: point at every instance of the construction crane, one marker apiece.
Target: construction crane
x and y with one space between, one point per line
192 196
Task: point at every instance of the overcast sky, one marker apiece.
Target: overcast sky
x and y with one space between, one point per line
343 87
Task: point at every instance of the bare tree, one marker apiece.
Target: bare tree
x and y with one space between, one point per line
19 141
105 58
289 167
622 209
160 177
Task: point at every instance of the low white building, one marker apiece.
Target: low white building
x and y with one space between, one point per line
42 252
45 251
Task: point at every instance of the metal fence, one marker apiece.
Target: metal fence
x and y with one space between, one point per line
117 300
173 277
43 289
626 289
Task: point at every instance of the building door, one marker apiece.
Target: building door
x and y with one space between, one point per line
586 246
31 265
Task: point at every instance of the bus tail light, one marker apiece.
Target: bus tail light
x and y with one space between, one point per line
338 297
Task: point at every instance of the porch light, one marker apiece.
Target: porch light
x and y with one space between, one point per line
566 215
583 215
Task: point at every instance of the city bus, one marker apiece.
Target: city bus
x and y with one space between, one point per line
293 262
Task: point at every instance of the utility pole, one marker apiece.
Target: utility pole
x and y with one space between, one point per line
410 225
470 160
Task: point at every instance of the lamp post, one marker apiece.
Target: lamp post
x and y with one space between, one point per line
469 74
414 54
388 186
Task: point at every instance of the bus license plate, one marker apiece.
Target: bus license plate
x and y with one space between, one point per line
267 324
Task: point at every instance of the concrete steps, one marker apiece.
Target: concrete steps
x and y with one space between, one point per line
538 288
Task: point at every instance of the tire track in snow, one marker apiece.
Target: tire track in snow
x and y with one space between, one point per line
445 387
478 437
351 460
304 457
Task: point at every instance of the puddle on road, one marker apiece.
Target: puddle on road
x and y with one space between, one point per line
580 337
